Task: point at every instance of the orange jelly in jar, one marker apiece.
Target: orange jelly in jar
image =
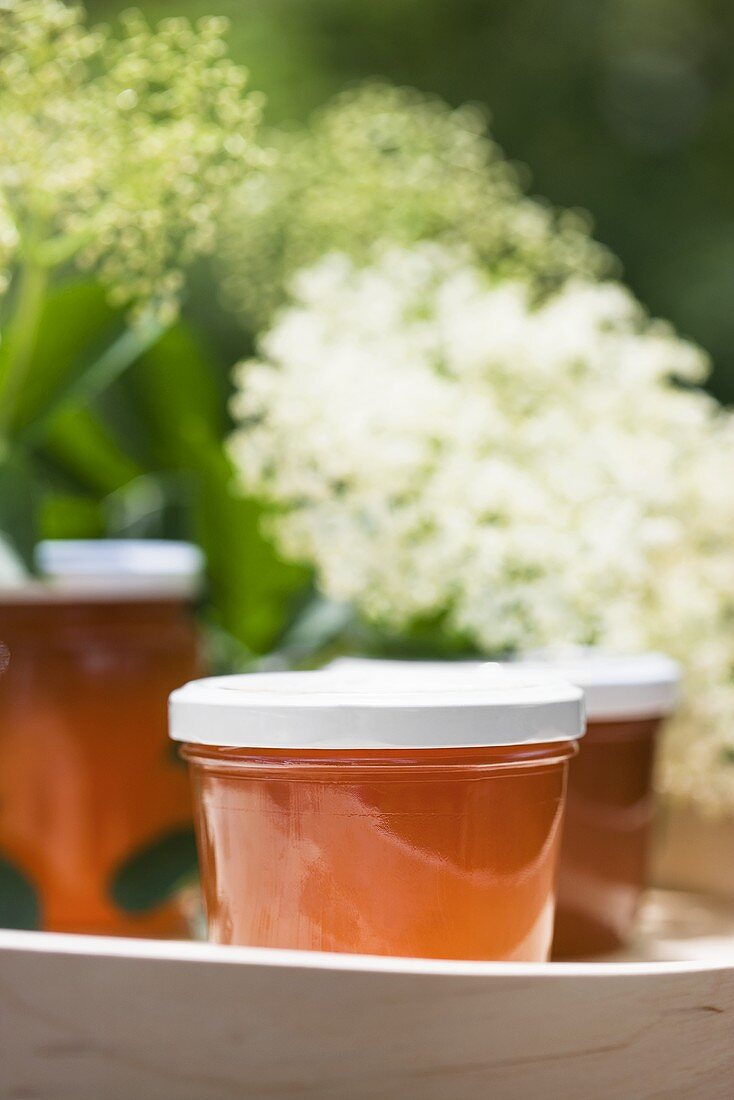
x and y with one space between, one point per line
95 814
406 819
609 810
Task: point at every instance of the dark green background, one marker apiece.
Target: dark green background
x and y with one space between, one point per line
623 107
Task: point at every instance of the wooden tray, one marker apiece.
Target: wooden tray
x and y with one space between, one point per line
85 1018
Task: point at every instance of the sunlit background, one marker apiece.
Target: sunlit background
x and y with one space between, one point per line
622 107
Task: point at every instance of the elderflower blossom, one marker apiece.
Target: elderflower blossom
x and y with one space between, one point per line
115 150
443 449
388 162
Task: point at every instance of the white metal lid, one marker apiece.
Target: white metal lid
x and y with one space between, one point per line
626 686
332 710
112 568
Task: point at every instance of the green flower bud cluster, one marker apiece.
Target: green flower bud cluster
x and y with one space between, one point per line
117 145
391 163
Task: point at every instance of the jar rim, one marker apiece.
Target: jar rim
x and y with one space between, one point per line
352 763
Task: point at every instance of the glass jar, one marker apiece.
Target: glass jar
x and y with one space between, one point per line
95 814
407 819
609 810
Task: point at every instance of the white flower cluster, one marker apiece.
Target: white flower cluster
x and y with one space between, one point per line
442 449
116 149
379 161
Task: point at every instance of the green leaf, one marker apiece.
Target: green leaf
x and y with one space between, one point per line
153 873
320 623
19 503
182 386
251 587
84 446
82 345
222 652
76 325
69 516
179 397
153 506
19 903
106 368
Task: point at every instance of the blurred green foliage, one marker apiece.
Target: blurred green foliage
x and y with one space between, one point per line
120 434
623 107
118 147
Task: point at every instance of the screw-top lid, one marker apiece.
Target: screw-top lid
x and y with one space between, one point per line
332 710
625 686
113 569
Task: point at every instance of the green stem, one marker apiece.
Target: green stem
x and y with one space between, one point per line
21 344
